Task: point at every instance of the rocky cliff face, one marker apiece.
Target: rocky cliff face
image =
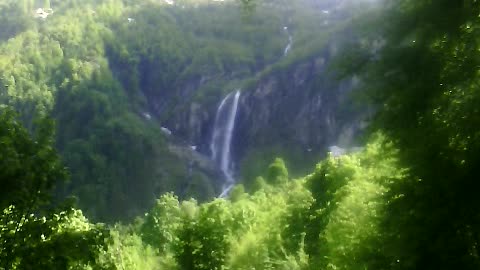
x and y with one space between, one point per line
302 108
303 105
290 105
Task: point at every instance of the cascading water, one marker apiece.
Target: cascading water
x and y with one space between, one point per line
290 41
222 138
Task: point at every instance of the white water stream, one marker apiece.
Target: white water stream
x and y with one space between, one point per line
290 41
220 144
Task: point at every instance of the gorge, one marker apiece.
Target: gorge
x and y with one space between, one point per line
239 134
148 100
292 105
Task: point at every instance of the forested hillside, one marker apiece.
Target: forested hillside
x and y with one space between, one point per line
142 134
112 73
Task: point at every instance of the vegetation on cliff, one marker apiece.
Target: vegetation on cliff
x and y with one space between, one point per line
406 201
93 66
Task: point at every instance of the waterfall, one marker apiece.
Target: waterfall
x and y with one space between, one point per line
290 41
289 45
222 138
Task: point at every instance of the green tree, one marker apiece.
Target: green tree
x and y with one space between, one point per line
162 224
30 167
426 81
14 19
204 240
126 250
277 172
31 234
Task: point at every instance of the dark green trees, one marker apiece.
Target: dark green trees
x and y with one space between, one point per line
412 208
31 234
332 219
425 83
29 167
13 19
277 172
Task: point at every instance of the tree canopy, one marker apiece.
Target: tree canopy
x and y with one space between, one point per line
407 200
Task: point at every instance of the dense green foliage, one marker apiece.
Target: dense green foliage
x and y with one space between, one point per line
31 233
425 82
313 217
330 219
406 201
29 167
92 65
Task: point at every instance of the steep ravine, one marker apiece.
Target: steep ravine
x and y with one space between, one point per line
290 106
296 112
